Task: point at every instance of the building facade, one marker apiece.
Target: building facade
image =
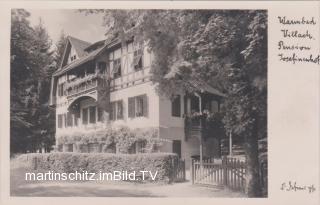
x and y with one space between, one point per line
107 84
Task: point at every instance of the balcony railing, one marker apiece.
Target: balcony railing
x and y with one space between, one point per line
81 85
193 127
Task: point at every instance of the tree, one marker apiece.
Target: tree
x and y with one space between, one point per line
226 49
31 68
60 47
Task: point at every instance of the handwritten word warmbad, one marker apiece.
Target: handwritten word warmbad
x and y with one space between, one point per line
303 21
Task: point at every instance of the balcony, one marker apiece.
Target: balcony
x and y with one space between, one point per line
193 127
80 86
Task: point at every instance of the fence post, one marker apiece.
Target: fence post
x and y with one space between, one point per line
184 170
225 170
192 171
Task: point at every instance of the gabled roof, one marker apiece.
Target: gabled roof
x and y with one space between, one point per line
79 45
87 50
88 57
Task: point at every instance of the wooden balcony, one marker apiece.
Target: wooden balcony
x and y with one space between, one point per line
193 128
82 86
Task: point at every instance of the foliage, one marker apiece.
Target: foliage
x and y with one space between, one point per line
60 47
225 48
163 163
32 64
122 136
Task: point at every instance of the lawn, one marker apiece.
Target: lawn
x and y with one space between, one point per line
20 187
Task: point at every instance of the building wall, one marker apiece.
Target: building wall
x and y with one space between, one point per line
159 107
152 120
126 54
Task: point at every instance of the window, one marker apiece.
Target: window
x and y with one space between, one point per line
119 109
60 121
116 110
176 106
75 120
102 67
137 59
117 68
85 116
60 89
72 58
138 106
69 119
100 114
92 111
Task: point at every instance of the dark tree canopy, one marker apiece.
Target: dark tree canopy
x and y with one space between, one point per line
224 48
32 64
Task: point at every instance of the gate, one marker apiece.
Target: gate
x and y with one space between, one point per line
229 172
179 170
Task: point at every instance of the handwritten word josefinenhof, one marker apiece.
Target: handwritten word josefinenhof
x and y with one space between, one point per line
294 187
294 58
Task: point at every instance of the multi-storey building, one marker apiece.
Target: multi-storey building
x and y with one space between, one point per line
109 82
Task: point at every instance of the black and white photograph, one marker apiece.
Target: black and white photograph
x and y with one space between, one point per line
138 103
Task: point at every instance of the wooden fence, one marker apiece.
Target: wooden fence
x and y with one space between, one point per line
229 172
179 170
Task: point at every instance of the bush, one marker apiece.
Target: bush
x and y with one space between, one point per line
163 163
123 136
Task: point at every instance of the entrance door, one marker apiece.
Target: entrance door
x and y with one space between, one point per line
176 147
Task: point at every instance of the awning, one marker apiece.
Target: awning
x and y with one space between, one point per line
205 87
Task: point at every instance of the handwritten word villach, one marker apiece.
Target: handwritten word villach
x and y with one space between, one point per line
296 34
303 21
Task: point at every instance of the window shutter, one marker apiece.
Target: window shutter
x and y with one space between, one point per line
85 116
65 120
176 106
145 105
112 111
185 104
131 107
92 114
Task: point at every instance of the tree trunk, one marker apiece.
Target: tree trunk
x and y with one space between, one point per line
253 188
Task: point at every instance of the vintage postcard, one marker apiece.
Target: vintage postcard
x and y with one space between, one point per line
160 102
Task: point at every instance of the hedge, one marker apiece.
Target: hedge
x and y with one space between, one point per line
123 136
163 163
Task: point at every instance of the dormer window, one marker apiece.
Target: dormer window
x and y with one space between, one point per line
72 58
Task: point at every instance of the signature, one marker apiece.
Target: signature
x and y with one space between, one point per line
293 186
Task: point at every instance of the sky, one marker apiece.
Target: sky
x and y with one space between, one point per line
88 28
